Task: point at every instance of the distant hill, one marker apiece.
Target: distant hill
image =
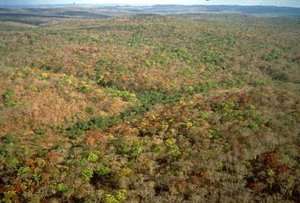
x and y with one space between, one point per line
101 11
229 8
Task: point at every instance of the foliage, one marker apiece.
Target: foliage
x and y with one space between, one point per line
127 96
93 157
149 108
270 56
7 98
87 174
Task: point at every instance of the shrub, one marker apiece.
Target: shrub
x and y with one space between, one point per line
127 96
24 72
121 195
270 56
104 82
204 115
109 198
132 149
116 197
61 187
103 171
93 157
204 86
87 174
214 134
37 177
270 172
84 87
170 142
7 98
79 128
66 80
152 97
9 138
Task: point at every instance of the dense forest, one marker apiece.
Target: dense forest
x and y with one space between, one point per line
106 107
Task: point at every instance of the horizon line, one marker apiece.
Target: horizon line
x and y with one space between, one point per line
97 4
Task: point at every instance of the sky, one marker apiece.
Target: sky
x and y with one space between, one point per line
291 3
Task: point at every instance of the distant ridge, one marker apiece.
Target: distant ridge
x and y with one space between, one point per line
245 9
176 9
230 8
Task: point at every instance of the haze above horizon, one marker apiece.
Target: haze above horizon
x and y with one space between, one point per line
289 3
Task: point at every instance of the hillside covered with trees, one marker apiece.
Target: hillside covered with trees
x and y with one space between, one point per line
149 108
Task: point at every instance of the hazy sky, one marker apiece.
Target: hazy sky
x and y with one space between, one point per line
293 3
